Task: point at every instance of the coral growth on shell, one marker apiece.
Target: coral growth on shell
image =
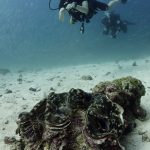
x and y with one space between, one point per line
77 120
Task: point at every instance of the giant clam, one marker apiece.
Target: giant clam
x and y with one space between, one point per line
77 120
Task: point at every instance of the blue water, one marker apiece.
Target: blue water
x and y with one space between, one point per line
32 36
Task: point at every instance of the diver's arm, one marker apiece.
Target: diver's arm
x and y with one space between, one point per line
83 9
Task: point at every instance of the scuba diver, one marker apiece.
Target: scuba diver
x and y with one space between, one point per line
113 24
83 10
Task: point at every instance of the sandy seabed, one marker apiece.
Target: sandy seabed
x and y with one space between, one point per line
62 80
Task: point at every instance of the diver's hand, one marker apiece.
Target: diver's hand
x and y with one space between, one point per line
61 14
71 6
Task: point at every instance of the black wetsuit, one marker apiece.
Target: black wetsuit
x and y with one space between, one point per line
113 24
94 6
